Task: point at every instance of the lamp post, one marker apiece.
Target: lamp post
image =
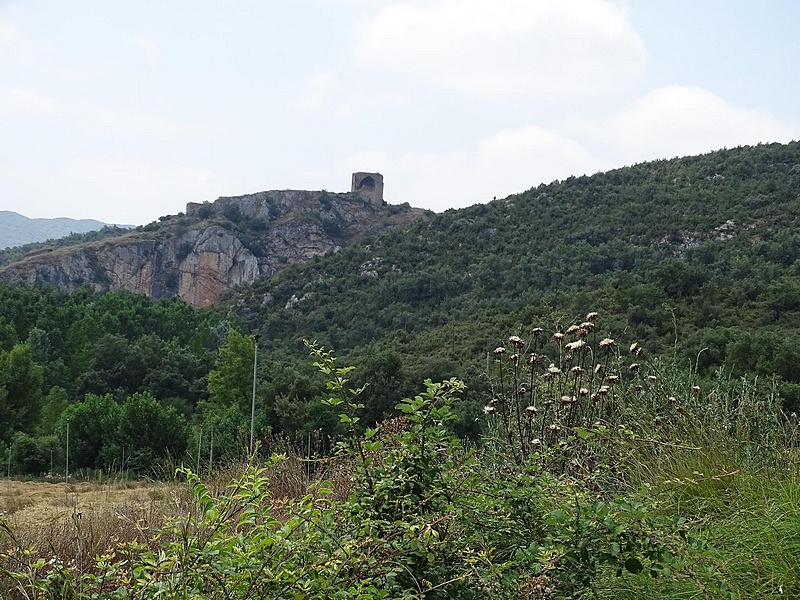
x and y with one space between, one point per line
66 469
253 406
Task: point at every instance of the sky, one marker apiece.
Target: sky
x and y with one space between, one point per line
124 111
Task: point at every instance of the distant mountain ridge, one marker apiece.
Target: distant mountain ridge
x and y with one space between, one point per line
17 229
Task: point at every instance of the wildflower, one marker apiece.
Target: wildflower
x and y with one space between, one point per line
577 345
597 368
639 352
553 369
606 343
696 389
576 371
634 347
522 390
558 336
634 367
603 390
568 399
572 329
672 400
514 358
562 444
537 331
554 428
612 379
499 350
652 378
592 316
489 409
583 392
534 358
536 442
516 341
531 410
638 388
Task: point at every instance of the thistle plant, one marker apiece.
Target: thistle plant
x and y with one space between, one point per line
551 390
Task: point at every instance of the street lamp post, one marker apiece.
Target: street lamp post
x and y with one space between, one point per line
66 469
253 406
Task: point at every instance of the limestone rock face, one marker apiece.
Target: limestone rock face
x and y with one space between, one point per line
214 246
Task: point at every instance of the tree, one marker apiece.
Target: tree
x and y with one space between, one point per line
149 432
93 426
20 391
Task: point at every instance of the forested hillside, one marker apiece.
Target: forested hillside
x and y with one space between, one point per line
696 258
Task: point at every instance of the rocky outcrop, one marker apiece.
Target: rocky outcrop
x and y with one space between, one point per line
214 246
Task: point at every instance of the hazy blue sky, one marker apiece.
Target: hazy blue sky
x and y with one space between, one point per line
124 111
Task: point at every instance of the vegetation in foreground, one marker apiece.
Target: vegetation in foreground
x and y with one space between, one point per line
603 472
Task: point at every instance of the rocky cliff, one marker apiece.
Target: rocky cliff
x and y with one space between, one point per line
214 246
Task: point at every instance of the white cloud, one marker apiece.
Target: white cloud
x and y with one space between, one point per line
322 94
505 47
679 120
119 191
135 126
147 46
507 162
25 103
9 34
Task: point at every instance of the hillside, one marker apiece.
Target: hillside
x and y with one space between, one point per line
18 230
213 246
696 256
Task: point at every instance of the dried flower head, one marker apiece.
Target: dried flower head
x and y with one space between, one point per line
489 409
583 392
606 343
634 347
652 378
572 329
516 341
558 336
568 399
696 388
576 345
612 379
634 367
536 442
532 410
593 316
598 367
499 350
534 358
554 428
576 371
553 369
537 331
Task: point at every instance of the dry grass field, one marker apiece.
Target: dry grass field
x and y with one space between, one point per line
81 520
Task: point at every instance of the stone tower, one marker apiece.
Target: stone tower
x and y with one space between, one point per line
369 186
